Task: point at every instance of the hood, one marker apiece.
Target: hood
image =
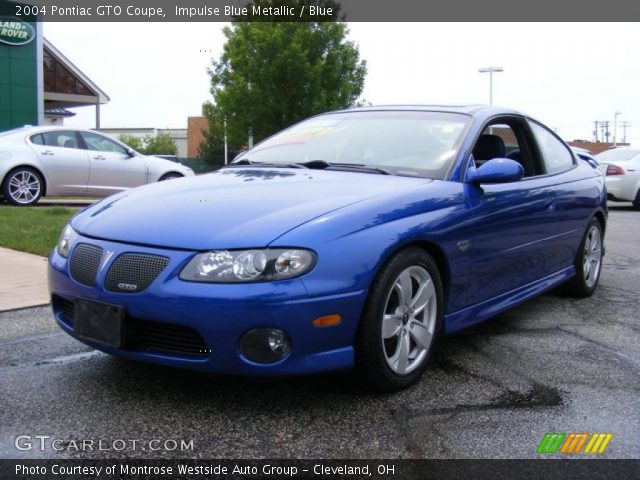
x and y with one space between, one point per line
168 164
231 208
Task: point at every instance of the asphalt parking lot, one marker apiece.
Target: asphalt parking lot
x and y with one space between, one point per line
555 364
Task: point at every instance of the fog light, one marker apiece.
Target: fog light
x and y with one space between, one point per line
264 345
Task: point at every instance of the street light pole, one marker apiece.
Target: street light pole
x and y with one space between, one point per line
491 71
615 127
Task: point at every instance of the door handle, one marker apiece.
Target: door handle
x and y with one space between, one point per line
99 157
47 152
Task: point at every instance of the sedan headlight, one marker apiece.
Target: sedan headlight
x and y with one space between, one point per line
229 266
67 238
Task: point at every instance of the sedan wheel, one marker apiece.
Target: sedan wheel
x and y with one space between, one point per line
169 176
22 187
401 322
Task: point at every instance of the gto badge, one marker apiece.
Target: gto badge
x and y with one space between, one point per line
463 245
107 257
127 286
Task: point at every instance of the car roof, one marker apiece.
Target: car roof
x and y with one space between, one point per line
471 109
46 128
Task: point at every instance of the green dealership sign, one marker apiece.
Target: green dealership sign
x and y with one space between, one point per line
15 32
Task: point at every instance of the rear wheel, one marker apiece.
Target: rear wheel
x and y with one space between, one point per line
588 262
22 186
401 322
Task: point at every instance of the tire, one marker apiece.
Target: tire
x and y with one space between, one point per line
636 201
588 262
169 176
393 344
22 186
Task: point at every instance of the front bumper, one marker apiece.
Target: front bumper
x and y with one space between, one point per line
220 314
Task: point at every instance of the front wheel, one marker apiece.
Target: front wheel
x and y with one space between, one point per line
401 322
588 262
636 201
22 186
169 176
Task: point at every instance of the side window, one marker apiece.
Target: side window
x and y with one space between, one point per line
556 156
37 139
101 144
507 138
60 138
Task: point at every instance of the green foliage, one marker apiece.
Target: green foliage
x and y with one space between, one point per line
274 74
32 229
132 141
212 148
160 145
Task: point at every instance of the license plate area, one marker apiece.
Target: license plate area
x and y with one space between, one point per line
99 322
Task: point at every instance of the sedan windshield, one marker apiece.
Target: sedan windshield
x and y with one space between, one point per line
400 142
617 155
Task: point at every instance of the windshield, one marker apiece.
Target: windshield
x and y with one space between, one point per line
402 142
617 155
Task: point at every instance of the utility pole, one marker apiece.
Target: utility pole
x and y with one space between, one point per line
624 126
226 147
606 131
595 131
615 127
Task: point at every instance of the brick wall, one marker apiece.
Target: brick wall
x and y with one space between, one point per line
595 147
195 126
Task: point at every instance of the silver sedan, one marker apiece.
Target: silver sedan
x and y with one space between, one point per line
39 161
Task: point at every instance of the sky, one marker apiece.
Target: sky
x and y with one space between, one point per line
567 75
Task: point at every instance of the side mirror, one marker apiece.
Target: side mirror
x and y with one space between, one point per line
239 155
131 152
496 170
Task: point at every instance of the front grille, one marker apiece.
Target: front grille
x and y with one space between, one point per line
133 272
147 335
163 337
84 264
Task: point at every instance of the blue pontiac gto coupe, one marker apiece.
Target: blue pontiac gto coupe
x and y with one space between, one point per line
352 239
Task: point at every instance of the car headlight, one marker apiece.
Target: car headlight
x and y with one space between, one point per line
67 238
259 265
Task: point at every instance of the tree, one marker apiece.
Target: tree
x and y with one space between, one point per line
132 141
274 74
161 144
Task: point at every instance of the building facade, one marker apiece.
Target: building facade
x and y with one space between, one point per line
37 82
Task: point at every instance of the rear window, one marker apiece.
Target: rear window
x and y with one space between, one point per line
617 155
37 139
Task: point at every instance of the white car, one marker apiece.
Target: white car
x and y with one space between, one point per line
622 169
587 156
39 161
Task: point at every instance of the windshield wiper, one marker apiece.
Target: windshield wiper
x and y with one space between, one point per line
323 165
314 165
245 161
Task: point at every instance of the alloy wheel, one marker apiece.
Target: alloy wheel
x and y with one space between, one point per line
592 256
24 187
409 320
